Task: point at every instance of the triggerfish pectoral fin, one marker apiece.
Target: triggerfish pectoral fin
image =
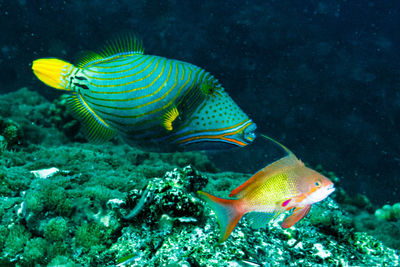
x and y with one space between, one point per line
169 117
227 212
297 215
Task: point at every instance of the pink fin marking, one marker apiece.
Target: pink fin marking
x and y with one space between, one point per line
285 203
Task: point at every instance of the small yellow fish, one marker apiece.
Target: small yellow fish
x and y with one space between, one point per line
284 185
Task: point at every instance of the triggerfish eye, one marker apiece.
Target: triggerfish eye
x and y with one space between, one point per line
249 133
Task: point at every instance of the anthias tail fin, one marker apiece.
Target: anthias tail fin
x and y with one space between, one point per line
227 213
298 214
53 71
97 131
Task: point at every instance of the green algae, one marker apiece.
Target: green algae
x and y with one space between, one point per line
55 229
35 251
389 212
79 216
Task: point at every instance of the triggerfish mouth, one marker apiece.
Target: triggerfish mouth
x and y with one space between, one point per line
151 101
284 185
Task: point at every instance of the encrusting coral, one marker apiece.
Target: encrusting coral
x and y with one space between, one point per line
389 213
113 204
10 134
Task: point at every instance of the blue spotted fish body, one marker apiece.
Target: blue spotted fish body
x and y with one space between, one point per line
155 102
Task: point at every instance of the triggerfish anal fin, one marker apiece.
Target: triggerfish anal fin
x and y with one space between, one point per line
278 166
298 214
52 72
227 213
97 131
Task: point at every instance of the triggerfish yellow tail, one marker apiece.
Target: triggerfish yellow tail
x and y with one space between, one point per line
153 102
53 72
281 186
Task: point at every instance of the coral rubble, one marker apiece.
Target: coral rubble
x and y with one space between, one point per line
116 205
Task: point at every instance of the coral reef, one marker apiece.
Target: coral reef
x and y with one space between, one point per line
10 134
388 212
64 219
114 204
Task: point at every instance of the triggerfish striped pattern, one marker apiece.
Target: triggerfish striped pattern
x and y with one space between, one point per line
152 101
281 186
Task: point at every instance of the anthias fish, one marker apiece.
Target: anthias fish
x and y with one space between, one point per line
284 185
151 101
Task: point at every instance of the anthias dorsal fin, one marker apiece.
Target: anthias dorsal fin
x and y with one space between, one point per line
270 170
123 44
279 144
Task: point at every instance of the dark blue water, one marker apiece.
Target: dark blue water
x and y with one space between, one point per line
322 77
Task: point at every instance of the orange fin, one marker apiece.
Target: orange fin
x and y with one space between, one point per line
298 214
262 175
272 169
227 213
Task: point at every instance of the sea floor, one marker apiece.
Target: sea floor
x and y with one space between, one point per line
112 204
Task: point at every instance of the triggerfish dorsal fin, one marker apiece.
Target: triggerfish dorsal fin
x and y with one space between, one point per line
123 44
86 58
228 214
280 166
97 131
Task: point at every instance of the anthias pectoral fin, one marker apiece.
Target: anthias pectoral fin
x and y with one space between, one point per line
297 215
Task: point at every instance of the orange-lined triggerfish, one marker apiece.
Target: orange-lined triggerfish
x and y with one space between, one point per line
151 101
284 185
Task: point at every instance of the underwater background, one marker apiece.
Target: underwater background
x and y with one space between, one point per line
322 77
